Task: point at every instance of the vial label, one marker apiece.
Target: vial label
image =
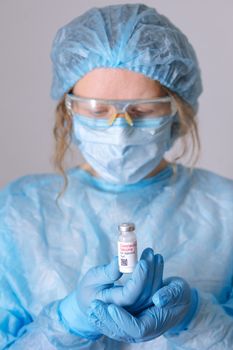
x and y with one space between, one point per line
127 256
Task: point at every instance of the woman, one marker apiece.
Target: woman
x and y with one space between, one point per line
128 83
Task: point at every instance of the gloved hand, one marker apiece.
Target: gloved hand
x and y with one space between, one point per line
98 283
174 307
153 283
137 293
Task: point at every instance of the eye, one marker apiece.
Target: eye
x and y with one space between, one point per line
145 111
136 111
100 111
157 109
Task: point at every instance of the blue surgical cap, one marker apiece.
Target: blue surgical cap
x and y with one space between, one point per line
127 36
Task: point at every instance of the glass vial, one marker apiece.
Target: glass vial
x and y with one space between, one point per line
127 248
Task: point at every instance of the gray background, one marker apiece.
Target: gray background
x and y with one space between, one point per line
27 28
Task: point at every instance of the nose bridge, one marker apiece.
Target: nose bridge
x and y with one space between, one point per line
120 108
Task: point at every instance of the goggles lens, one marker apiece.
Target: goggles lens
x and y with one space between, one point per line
135 109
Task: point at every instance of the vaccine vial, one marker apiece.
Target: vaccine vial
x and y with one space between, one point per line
127 248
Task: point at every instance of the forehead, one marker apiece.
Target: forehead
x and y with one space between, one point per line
116 83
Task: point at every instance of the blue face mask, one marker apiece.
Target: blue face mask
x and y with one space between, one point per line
123 154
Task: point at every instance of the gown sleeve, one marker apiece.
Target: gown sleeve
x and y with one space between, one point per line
45 332
212 328
19 328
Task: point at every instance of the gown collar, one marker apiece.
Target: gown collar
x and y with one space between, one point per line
101 184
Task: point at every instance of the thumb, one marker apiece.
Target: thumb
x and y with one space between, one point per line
170 294
105 274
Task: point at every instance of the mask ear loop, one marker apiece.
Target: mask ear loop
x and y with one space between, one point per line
126 116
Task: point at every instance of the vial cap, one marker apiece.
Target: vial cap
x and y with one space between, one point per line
126 227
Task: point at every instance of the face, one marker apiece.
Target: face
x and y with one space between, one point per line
117 84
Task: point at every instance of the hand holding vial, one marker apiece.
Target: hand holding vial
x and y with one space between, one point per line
99 283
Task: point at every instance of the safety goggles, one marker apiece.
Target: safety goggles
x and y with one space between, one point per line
110 110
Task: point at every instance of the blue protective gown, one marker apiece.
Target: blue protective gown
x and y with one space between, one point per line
45 250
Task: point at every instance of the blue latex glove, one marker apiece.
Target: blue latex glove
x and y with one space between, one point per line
153 283
174 307
98 283
137 293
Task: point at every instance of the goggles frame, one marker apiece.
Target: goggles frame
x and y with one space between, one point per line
120 105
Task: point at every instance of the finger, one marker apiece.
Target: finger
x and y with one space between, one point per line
135 285
153 321
139 328
158 273
171 294
128 294
147 253
153 283
115 322
148 256
124 320
101 320
104 274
